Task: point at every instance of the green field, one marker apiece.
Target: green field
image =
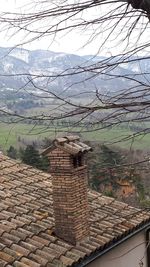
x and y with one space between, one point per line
119 137
10 134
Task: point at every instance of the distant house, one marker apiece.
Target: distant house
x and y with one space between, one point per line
52 220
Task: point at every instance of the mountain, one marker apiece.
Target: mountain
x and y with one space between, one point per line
19 66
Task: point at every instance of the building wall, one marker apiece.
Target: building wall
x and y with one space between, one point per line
128 254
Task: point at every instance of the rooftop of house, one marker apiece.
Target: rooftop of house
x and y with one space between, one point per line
27 235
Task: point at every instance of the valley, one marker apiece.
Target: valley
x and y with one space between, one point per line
46 94
21 134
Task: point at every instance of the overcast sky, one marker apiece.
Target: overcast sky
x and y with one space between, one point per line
71 43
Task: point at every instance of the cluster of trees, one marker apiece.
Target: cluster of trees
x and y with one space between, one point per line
111 169
29 155
21 105
106 167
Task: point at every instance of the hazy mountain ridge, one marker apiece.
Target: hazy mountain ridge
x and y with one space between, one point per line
19 65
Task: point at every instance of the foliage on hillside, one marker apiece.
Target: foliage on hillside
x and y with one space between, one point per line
112 173
110 170
31 156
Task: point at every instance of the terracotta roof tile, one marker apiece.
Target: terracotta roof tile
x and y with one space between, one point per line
20 264
69 144
6 257
27 223
30 262
3 263
13 253
40 260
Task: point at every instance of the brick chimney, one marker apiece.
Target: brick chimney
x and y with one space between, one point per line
69 180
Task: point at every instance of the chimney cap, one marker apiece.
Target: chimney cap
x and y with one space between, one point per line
70 144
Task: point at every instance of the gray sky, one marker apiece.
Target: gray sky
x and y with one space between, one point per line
72 43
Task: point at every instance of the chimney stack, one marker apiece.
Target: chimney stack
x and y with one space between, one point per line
69 180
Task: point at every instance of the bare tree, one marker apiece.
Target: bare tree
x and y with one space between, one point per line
97 18
119 22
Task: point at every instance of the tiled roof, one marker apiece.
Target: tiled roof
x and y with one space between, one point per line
70 144
27 225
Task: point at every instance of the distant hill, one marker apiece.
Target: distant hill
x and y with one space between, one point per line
18 66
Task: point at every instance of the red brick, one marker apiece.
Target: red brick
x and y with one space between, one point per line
69 197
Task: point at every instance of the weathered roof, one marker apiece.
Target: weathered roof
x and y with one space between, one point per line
70 144
27 225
